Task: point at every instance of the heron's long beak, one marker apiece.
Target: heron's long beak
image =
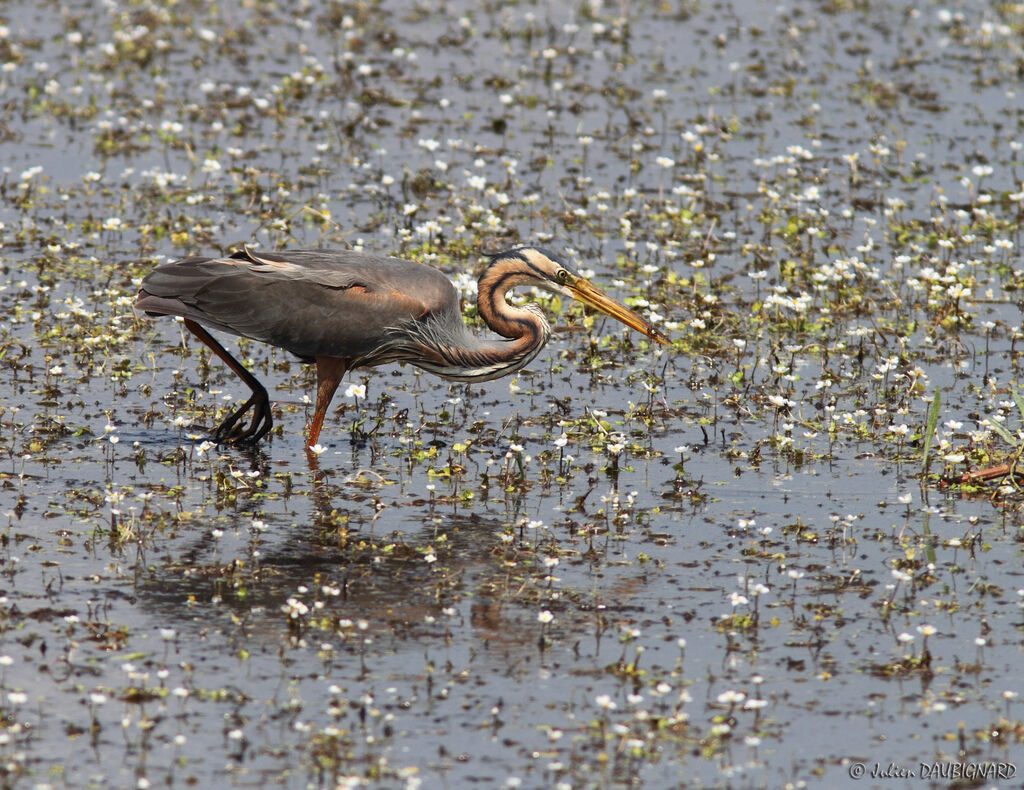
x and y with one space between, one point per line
594 297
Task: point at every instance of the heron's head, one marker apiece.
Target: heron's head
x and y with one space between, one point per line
540 268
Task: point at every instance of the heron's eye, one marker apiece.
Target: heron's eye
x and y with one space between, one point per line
562 276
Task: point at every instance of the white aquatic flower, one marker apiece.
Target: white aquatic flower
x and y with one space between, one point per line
731 697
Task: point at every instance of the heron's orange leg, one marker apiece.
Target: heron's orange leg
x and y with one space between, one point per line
329 371
228 432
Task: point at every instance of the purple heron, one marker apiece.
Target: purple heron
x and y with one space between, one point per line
342 309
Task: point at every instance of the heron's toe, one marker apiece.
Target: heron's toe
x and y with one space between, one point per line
234 429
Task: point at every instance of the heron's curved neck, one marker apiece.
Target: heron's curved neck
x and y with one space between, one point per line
525 328
468 357
522 325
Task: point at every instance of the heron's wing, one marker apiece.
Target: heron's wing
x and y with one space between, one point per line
310 302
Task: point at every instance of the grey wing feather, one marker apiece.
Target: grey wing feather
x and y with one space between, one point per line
310 302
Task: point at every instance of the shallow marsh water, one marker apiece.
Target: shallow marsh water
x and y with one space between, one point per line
714 565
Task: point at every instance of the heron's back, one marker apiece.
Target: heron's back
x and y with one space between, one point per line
313 303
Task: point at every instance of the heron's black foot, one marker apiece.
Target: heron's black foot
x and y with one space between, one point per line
234 431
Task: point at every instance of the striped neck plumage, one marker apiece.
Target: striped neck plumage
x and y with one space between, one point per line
525 328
